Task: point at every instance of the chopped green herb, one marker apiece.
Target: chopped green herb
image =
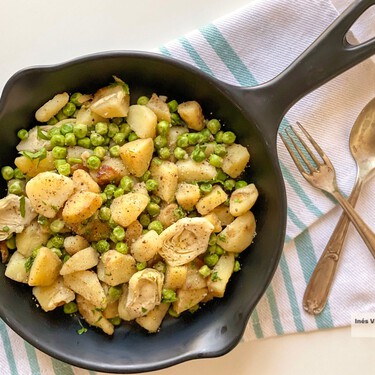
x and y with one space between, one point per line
22 206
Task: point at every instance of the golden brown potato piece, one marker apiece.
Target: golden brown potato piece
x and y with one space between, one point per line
137 155
80 261
45 268
84 182
235 161
220 275
187 195
191 112
166 175
153 319
243 199
142 121
159 107
126 208
80 207
188 298
32 167
213 199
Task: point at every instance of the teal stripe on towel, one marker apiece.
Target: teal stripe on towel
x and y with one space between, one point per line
256 324
274 311
33 360
199 62
61 368
8 348
227 54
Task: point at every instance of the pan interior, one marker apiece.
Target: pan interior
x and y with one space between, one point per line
218 326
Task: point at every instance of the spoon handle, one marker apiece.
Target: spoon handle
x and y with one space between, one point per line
321 280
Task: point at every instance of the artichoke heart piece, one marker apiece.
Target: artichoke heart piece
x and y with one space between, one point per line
185 240
144 292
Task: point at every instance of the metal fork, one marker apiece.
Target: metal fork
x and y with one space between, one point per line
322 175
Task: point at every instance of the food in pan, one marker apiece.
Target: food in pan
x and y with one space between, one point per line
125 212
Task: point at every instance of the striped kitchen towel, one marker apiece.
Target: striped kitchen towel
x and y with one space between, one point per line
247 47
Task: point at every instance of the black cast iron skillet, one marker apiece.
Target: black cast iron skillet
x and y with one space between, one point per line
254 114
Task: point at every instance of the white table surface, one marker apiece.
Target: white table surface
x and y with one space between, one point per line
46 32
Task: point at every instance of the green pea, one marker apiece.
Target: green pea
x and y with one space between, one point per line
179 153
69 109
122 247
126 183
145 220
142 100
64 169
109 190
160 266
70 308
101 128
155 199
66 128
229 184
11 243
220 149
164 153
93 162
179 213
211 259
59 152
151 185
213 126
42 220
160 141
58 252
61 116
119 233
219 136
169 296
104 213
183 140
193 138
219 250
80 130
206 188
52 132
56 241
205 271
22 134
7 172
112 130
172 105
116 321
156 161
117 120
198 155
212 240
57 226
100 152
52 121
126 129
96 139
163 127
114 151
114 292
215 160
205 135
75 99
153 209
119 138
16 187
240 184
229 138
172 312
70 139
84 142
141 266
58 140
221 176
176 119
118 192
102 246
18 174
132 137
237 266
156 225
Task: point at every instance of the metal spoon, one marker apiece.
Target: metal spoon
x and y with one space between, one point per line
362 147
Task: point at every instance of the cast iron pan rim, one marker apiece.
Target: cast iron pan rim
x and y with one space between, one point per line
193 354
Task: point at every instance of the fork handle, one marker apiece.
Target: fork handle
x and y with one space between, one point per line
319 285
363 229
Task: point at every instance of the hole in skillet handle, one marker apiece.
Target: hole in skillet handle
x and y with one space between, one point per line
362 30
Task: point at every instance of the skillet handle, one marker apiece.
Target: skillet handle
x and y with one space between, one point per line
330 55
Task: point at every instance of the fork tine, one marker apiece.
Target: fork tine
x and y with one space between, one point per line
316 146
309 166
308 150
292 154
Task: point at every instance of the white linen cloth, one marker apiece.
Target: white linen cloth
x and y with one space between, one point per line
250 46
